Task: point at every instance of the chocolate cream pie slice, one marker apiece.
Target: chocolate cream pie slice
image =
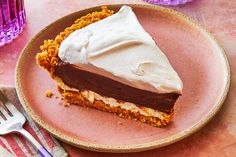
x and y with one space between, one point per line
109 62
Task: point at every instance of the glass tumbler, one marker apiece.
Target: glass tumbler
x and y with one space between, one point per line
12 19
168 2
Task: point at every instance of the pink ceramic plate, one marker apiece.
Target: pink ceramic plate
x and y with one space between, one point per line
193 52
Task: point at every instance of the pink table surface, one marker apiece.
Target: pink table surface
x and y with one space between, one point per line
218 138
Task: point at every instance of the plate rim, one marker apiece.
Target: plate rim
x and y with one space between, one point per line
132 147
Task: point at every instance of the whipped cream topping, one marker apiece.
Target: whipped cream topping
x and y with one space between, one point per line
119 45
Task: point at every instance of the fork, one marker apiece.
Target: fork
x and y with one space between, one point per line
11 121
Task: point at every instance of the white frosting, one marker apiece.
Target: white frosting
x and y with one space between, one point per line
119 45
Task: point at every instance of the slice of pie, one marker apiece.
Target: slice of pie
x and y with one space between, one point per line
109 62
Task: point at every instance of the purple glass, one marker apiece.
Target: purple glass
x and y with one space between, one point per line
12 19
168 2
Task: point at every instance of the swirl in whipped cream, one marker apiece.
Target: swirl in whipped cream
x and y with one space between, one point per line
119 45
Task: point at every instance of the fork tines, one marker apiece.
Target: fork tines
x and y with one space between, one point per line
4 111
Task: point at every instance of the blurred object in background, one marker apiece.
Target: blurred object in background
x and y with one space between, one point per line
12 19
168 2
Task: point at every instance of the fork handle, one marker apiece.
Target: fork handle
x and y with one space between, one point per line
41 150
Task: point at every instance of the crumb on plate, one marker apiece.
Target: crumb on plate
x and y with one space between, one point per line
48 93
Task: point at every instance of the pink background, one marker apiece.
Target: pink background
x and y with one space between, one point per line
218 138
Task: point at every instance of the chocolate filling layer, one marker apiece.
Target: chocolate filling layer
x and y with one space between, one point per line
85 80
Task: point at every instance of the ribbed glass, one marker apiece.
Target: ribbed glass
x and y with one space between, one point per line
12 19
168 2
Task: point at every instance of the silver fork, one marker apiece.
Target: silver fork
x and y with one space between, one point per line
11 121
